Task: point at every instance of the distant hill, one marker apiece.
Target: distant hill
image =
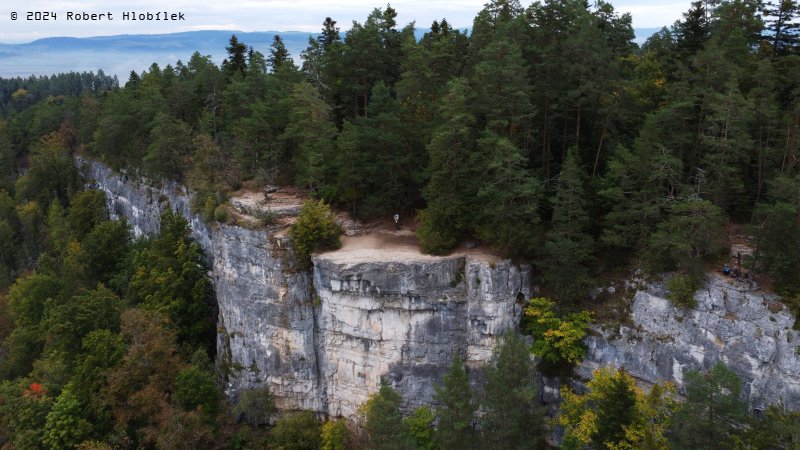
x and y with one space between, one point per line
643 33
118 55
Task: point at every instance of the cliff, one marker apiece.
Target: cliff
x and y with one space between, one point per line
322 339
748 330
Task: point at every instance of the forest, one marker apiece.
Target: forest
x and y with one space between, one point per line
544 134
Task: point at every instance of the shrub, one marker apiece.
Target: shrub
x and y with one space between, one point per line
682 287
557 340
314 230
434 238
221 214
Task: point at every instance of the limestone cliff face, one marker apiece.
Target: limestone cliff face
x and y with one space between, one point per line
406 319
748 330
321 340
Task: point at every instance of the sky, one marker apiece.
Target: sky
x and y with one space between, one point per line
263 15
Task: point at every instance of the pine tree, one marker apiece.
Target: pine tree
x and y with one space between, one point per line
451 190
502 89
310 133
236 62
709 417
455 409
783 25
385 425
508 197
513 419
568 245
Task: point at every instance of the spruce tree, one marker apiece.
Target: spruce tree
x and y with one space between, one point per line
616 409
709 417
236 62
455 409
450 192
278 55
569 245
513 418
508 197
385 425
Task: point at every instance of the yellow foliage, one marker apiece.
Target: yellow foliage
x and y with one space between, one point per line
653 409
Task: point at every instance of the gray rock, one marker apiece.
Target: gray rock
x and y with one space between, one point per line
730 324
322 339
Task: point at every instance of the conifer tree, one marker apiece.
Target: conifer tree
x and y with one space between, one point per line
310 133
451 190
569 245
385 425
236 62
508 197
513 419
278 55
783 25
709 417
455 409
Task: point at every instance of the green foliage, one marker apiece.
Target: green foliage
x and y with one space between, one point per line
51 174
435 239
314 230
310 133
107 248
778 429
384 422
170 276
256 405
87 210
65 427
616 408
710 416
691 233
778 237
513 418
68 322
508 197
569 245
297 431
26 307
681 287
221 214
196 388
451 191
335 435
420 427
616 415
557 340
455 409
25 406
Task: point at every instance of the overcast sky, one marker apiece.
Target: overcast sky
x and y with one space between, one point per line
265 15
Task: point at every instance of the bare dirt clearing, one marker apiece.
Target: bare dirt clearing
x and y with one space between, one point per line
361 242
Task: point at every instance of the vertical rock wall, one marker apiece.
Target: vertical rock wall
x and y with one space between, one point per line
323 340
748 330
405 320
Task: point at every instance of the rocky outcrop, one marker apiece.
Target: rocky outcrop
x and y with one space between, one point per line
748 330
321 340
405 320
